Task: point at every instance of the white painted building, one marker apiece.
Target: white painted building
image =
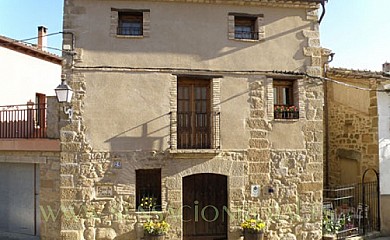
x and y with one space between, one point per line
384 150
27 70
28 140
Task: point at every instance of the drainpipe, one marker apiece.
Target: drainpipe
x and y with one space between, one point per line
326 121
323 10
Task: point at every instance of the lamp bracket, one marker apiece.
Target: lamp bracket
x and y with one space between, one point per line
68 110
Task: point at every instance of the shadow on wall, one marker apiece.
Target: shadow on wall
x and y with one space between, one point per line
152 135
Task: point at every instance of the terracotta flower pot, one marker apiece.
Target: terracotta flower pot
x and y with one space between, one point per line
253 235
329 237
154 237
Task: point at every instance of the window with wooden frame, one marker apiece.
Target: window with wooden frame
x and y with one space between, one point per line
284 105
193 114
130 23
148 189
245 28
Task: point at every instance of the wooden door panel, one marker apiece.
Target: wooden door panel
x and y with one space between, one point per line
193 114
204 199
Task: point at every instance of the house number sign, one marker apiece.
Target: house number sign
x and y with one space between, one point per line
104 191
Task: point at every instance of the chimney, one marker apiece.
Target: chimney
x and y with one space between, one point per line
386 67
42 39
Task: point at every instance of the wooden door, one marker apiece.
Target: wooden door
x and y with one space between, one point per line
40 117
204 207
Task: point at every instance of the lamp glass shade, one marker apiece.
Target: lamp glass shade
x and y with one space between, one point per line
64 93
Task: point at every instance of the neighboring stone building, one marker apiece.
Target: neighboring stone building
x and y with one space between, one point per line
352 124
357 123
187 103
29 137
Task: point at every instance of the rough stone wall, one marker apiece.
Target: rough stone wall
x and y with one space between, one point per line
52 118
353 135
291 179
49 192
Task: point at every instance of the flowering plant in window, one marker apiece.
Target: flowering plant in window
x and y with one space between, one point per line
148 203
156 227
279 108
253 225
292 109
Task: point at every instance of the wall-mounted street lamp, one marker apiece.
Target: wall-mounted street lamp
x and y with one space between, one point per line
64 95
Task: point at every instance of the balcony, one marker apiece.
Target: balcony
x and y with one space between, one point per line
29 127
196 134
23 121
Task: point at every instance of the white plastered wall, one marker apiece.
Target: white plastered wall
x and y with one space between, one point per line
22 76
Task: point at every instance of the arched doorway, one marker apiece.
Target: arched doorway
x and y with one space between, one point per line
204 207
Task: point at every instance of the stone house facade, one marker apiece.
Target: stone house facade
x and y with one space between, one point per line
212 110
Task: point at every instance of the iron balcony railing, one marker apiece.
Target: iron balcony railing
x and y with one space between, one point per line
286 112
246 35
23 121
130 31
355 206
198 130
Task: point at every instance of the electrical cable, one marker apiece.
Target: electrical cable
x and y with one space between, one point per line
25 41
32 38
200 70
291 73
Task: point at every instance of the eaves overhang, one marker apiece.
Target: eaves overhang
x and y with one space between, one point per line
355 74
29 50
270 3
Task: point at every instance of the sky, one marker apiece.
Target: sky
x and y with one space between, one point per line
19 19
357 31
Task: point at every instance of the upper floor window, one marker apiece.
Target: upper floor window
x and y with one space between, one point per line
193 114
284 105
130 23
244 26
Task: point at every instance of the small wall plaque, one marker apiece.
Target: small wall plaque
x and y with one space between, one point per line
255 190
104 191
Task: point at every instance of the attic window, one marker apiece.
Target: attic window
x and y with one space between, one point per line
130 23
244 26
